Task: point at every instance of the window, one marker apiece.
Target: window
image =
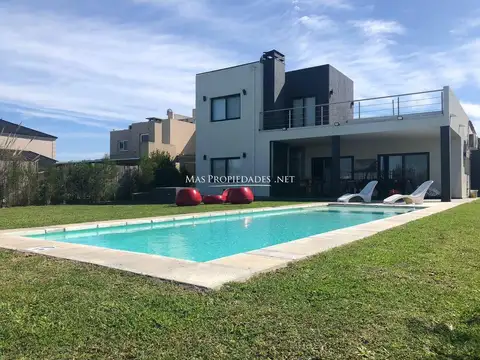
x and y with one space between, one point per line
143 138
226 167
123 145
226 108
303 112
346 168
411 168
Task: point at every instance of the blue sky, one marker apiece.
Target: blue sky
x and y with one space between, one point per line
79 69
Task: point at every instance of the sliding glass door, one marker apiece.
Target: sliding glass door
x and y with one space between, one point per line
403 172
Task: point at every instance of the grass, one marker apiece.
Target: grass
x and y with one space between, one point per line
33 216
408 293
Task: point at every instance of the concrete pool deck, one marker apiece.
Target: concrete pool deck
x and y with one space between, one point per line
212 274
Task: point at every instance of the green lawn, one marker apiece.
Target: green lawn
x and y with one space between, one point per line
408 293
32 216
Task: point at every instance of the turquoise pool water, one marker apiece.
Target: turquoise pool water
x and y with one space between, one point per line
210 238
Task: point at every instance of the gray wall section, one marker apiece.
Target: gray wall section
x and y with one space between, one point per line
273 80
445 157
342 87
307 83
475 169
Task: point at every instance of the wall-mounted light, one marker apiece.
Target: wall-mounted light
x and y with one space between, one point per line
336 123
244 155
204 157
284 129
244 92
351 104
399 117
331 92
204 98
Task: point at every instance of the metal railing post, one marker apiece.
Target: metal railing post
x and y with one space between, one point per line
321 115
289 118
359 110
393 106
441 100
398 105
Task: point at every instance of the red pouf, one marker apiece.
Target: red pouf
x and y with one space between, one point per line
243 195
213 199
225 195
188 197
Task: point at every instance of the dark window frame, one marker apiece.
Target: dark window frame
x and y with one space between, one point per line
226 107
144 134
123 147
303 98
379 156
225 159
351 157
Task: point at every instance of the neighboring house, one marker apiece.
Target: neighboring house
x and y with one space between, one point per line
175 135
257 119
33 144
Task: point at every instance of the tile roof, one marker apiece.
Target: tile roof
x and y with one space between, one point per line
8 127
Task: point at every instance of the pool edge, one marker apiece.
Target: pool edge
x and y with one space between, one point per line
215 273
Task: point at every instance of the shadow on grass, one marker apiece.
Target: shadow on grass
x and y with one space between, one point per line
460 341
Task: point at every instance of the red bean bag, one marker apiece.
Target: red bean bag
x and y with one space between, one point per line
225 195
188 197
242 195
213 199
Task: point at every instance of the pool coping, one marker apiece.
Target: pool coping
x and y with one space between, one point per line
215 273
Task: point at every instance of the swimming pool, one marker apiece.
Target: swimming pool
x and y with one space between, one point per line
207 238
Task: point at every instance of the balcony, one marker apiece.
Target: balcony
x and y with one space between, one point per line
356 111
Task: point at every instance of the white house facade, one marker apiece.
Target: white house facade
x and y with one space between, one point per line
258 120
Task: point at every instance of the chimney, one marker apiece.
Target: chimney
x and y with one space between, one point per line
273 79
170 114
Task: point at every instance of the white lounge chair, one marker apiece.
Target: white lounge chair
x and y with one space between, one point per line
414 198
365 194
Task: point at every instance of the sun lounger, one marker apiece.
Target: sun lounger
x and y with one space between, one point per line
414 198
365 194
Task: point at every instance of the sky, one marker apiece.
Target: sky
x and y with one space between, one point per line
78 69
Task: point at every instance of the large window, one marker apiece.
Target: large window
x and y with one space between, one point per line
303 112
226 167
226 108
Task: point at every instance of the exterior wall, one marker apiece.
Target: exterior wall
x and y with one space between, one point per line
228 138
459 123
45 147
174 136
342 87
133 137
182 136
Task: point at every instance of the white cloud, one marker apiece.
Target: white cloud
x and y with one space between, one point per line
466 25
320 23
106 71
379 27
331 4
472 110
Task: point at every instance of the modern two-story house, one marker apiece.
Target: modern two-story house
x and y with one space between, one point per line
259 120
175 135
